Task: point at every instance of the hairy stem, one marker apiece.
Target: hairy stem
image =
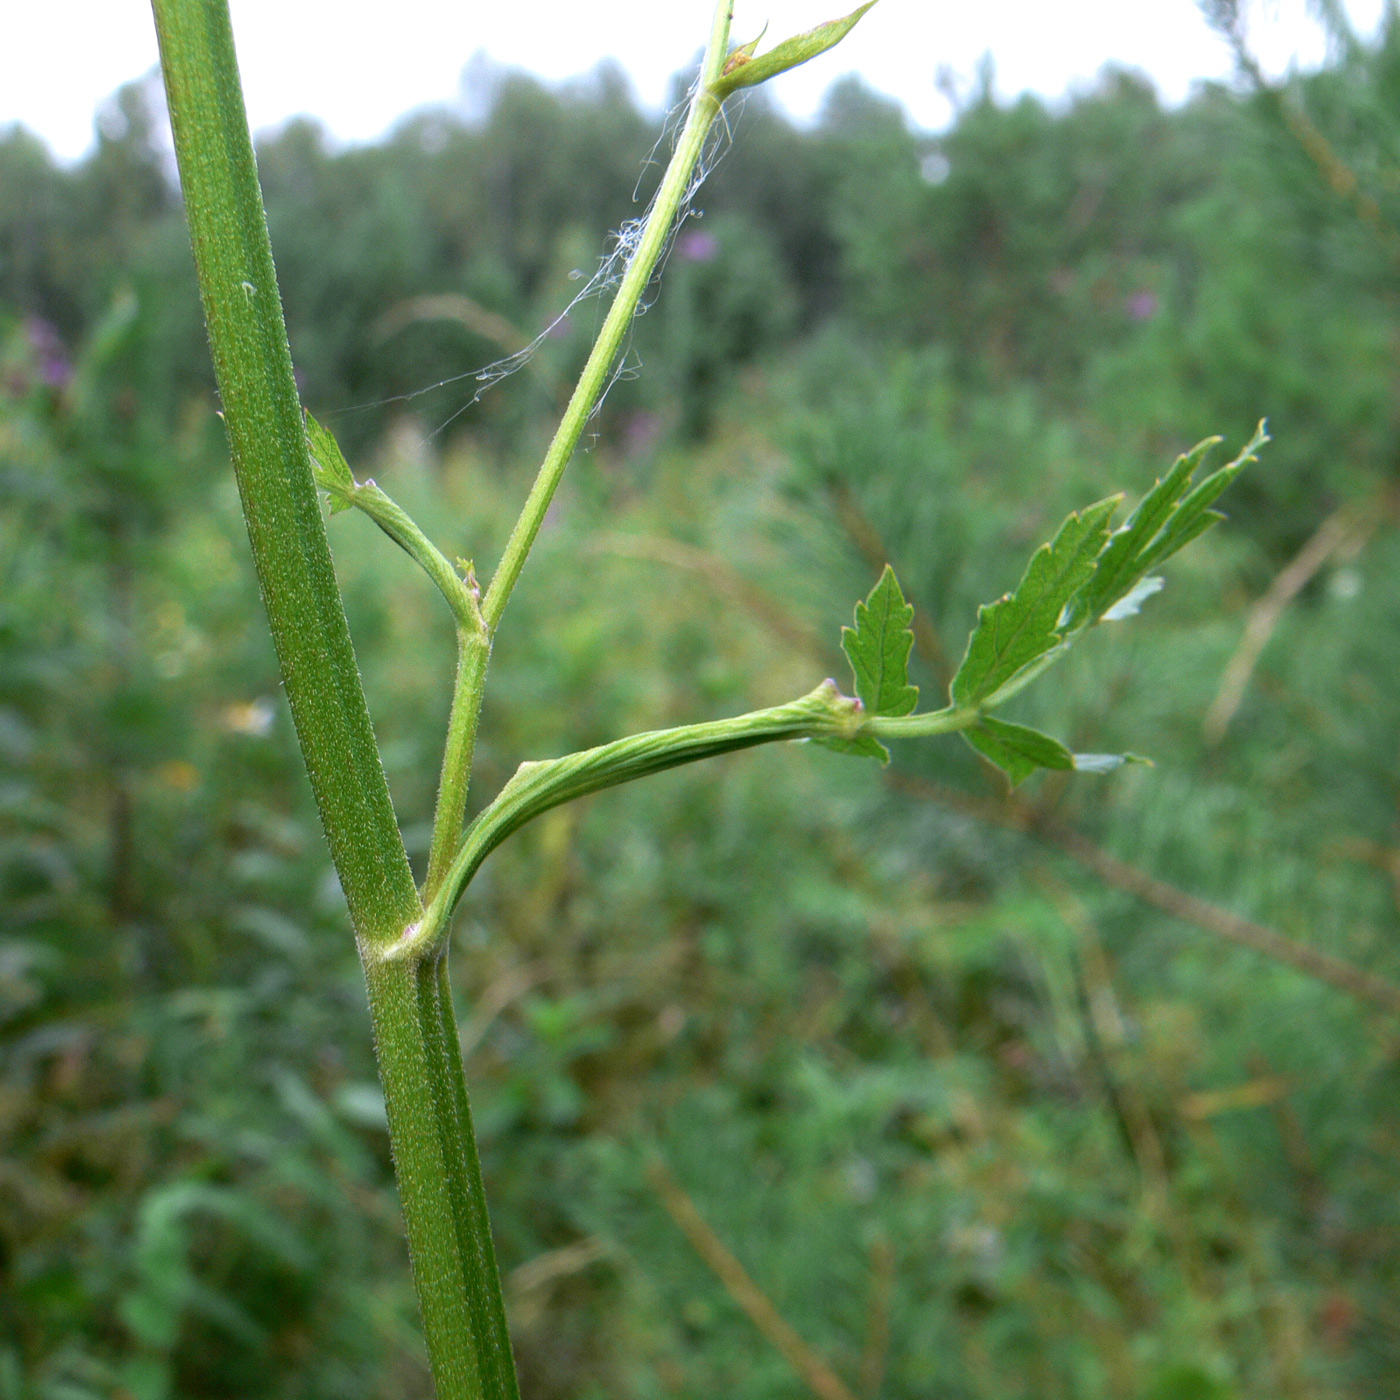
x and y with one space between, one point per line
403 530
262 415
449 1238
333 475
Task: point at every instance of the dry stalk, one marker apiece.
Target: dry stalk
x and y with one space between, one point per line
1341 531
1223 923
815 1371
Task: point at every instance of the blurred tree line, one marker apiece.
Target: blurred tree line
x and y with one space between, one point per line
967 1087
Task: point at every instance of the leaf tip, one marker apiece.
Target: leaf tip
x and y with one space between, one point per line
1108 762
742 69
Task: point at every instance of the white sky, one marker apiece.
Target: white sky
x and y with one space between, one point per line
357 66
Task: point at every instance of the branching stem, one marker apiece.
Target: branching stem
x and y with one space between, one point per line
536 787
425 1094
461 595
474 645
402 944
671 195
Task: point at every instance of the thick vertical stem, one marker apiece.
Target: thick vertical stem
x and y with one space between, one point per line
434 1158
439 1176
424 1129
262 414
484 1298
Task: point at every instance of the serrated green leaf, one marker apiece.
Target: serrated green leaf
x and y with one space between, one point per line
1115 574
1194 516
1017 750
1178 536
878 649
328 465
743 70
1167 519
1022 627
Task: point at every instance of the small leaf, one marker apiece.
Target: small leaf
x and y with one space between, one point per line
743 52
1194 516
1022 627
1017 750
878 649
1130 604
328 465
750 71
1106 762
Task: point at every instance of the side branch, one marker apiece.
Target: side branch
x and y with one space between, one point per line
721 73
824 714
334 477
675 185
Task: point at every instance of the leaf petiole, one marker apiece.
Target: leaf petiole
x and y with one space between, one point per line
332 474
822 714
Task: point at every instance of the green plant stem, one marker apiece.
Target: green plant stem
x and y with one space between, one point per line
921 726
262 415
824 713
474 653
473 640
671 194
396 522
415 1037
473 656
439 1178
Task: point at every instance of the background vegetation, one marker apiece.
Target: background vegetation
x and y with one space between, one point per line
976 1097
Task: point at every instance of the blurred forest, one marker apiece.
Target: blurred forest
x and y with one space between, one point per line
792 1078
